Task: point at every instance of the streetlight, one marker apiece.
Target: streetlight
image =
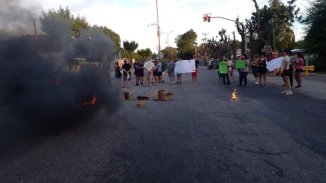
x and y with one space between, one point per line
167 37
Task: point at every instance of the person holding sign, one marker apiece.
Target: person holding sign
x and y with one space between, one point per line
223 70
243 66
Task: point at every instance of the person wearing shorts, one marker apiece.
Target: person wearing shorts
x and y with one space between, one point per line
139 72
126 67
159 71
262 63
255 69
194 74
298 69
286 72
149 68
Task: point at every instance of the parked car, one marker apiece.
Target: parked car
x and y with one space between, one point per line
212 64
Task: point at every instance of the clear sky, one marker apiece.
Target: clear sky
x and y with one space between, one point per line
132 19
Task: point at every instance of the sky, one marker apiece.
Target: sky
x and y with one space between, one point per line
136 20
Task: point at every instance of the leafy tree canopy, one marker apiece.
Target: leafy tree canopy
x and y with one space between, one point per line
144 53
130 47
186 44
315 40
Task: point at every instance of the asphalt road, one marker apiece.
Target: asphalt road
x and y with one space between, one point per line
198 136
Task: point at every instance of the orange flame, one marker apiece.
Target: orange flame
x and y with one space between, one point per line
234 95
92 101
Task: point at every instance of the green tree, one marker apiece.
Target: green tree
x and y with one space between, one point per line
186 44
273 23
144 53
130 47
315 39
170 53
78 24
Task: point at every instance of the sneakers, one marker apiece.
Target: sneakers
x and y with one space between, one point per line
297 86
284 91
288 93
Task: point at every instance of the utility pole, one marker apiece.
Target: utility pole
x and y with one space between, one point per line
205 36
158 34
167 38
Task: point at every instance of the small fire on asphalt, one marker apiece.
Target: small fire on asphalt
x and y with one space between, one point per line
234 95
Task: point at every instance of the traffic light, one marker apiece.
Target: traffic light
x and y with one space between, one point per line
205 17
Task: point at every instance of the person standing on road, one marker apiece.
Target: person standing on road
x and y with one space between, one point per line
159 71
117 74
230 68
262 71
149 68
298 69
171 66
194 74
225 76
126 73
255 69
285 71
179 74
244 72
292 62
139 72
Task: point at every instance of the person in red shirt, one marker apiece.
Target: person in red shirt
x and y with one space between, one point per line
194 74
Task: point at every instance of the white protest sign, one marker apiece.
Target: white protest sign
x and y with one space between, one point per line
185 66
274 64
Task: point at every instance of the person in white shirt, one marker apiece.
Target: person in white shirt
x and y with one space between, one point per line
285 71
149 68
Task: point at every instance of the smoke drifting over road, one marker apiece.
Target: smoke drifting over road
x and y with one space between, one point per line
52 89
16 17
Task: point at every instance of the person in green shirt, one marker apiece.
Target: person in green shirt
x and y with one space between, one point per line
244 71
223 70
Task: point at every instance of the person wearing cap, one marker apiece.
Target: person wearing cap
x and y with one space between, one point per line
285 71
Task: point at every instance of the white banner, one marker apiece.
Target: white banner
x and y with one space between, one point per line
274 64
185 66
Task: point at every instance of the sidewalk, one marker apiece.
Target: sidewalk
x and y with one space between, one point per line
313 85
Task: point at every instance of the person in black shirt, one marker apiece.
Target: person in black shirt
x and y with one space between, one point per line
117 74
139 72
126 67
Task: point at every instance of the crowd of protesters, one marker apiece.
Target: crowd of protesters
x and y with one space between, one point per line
258 67
150 72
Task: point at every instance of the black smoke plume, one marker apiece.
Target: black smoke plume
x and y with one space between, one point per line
50 89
